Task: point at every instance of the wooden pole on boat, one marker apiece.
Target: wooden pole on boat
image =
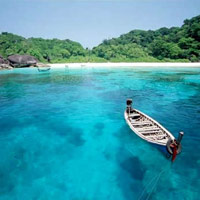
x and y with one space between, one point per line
129 105
180 136
175 145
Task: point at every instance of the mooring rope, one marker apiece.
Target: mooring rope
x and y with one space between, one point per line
156 178
155 184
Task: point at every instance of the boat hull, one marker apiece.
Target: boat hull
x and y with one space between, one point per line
147 132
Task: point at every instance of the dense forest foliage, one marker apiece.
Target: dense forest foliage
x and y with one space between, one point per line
165 44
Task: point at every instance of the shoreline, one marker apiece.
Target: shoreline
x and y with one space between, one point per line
93 65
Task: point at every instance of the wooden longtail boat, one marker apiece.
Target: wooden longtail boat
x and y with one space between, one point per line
151 131
43 69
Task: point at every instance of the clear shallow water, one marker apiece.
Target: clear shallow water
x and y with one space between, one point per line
63 135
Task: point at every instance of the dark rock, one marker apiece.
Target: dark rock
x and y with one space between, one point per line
3 61
22 60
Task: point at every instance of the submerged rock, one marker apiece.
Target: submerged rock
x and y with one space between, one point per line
22 60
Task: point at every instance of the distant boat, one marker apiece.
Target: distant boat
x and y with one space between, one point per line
151 131
43 67
43 70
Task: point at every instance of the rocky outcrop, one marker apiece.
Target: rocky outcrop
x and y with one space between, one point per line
17 61
3 61
5 66
22 60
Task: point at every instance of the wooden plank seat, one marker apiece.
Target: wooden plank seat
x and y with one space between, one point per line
154 135
134 115
141 123
142 126
161 137
151 132
149 128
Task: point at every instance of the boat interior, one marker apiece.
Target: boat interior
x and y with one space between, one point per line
146 127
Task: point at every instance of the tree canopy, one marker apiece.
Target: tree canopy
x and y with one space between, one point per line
176 43
165 44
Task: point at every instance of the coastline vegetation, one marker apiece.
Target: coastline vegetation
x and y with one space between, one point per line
176 44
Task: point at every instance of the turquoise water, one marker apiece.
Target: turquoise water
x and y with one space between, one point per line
63 134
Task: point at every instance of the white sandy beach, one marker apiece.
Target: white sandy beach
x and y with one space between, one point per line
108 64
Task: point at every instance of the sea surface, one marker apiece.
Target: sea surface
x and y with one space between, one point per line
63 135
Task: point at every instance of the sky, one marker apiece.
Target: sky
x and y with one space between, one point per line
91 21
